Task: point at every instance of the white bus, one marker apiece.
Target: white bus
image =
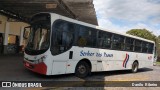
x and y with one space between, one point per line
60 45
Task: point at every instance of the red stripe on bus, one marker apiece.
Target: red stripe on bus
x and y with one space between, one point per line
125 59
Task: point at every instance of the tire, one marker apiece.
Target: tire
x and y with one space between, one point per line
134 67
82 69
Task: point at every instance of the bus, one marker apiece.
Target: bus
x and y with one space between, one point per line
60 45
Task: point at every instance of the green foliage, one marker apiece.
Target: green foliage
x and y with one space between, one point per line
157 63
158 48
143 33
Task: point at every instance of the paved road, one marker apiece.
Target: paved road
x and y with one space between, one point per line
11 69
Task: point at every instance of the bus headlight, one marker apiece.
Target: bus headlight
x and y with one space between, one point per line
42 59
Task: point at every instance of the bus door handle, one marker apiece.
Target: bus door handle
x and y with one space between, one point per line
70 54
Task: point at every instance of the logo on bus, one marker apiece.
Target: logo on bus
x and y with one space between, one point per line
97 54
125 60
150 58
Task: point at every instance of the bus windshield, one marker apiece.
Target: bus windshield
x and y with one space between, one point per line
39 37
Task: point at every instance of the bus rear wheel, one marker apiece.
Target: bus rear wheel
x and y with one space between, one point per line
82 69
134 67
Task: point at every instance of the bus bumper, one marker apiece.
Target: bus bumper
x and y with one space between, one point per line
40 68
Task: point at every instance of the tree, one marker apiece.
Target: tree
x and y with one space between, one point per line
158 47
143 33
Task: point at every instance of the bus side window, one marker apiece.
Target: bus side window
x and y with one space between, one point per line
62 37
138 46
118 42
104 39
150 48
92 37
129 44
144 47
86 36
82 36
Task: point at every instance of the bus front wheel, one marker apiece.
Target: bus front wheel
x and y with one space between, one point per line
82 69
135 67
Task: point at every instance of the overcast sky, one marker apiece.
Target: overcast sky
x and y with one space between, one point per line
123 15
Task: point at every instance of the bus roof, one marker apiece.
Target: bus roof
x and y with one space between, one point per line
97 27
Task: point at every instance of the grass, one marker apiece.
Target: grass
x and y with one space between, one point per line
157 63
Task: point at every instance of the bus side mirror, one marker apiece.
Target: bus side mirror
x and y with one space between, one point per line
26 32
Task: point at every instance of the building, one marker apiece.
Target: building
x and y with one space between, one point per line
15 15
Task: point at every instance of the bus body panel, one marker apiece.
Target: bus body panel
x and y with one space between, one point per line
62 64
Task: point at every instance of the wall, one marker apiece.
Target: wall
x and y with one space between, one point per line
14 27
3 20
9 28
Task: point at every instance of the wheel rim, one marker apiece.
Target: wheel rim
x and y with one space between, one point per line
82 69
